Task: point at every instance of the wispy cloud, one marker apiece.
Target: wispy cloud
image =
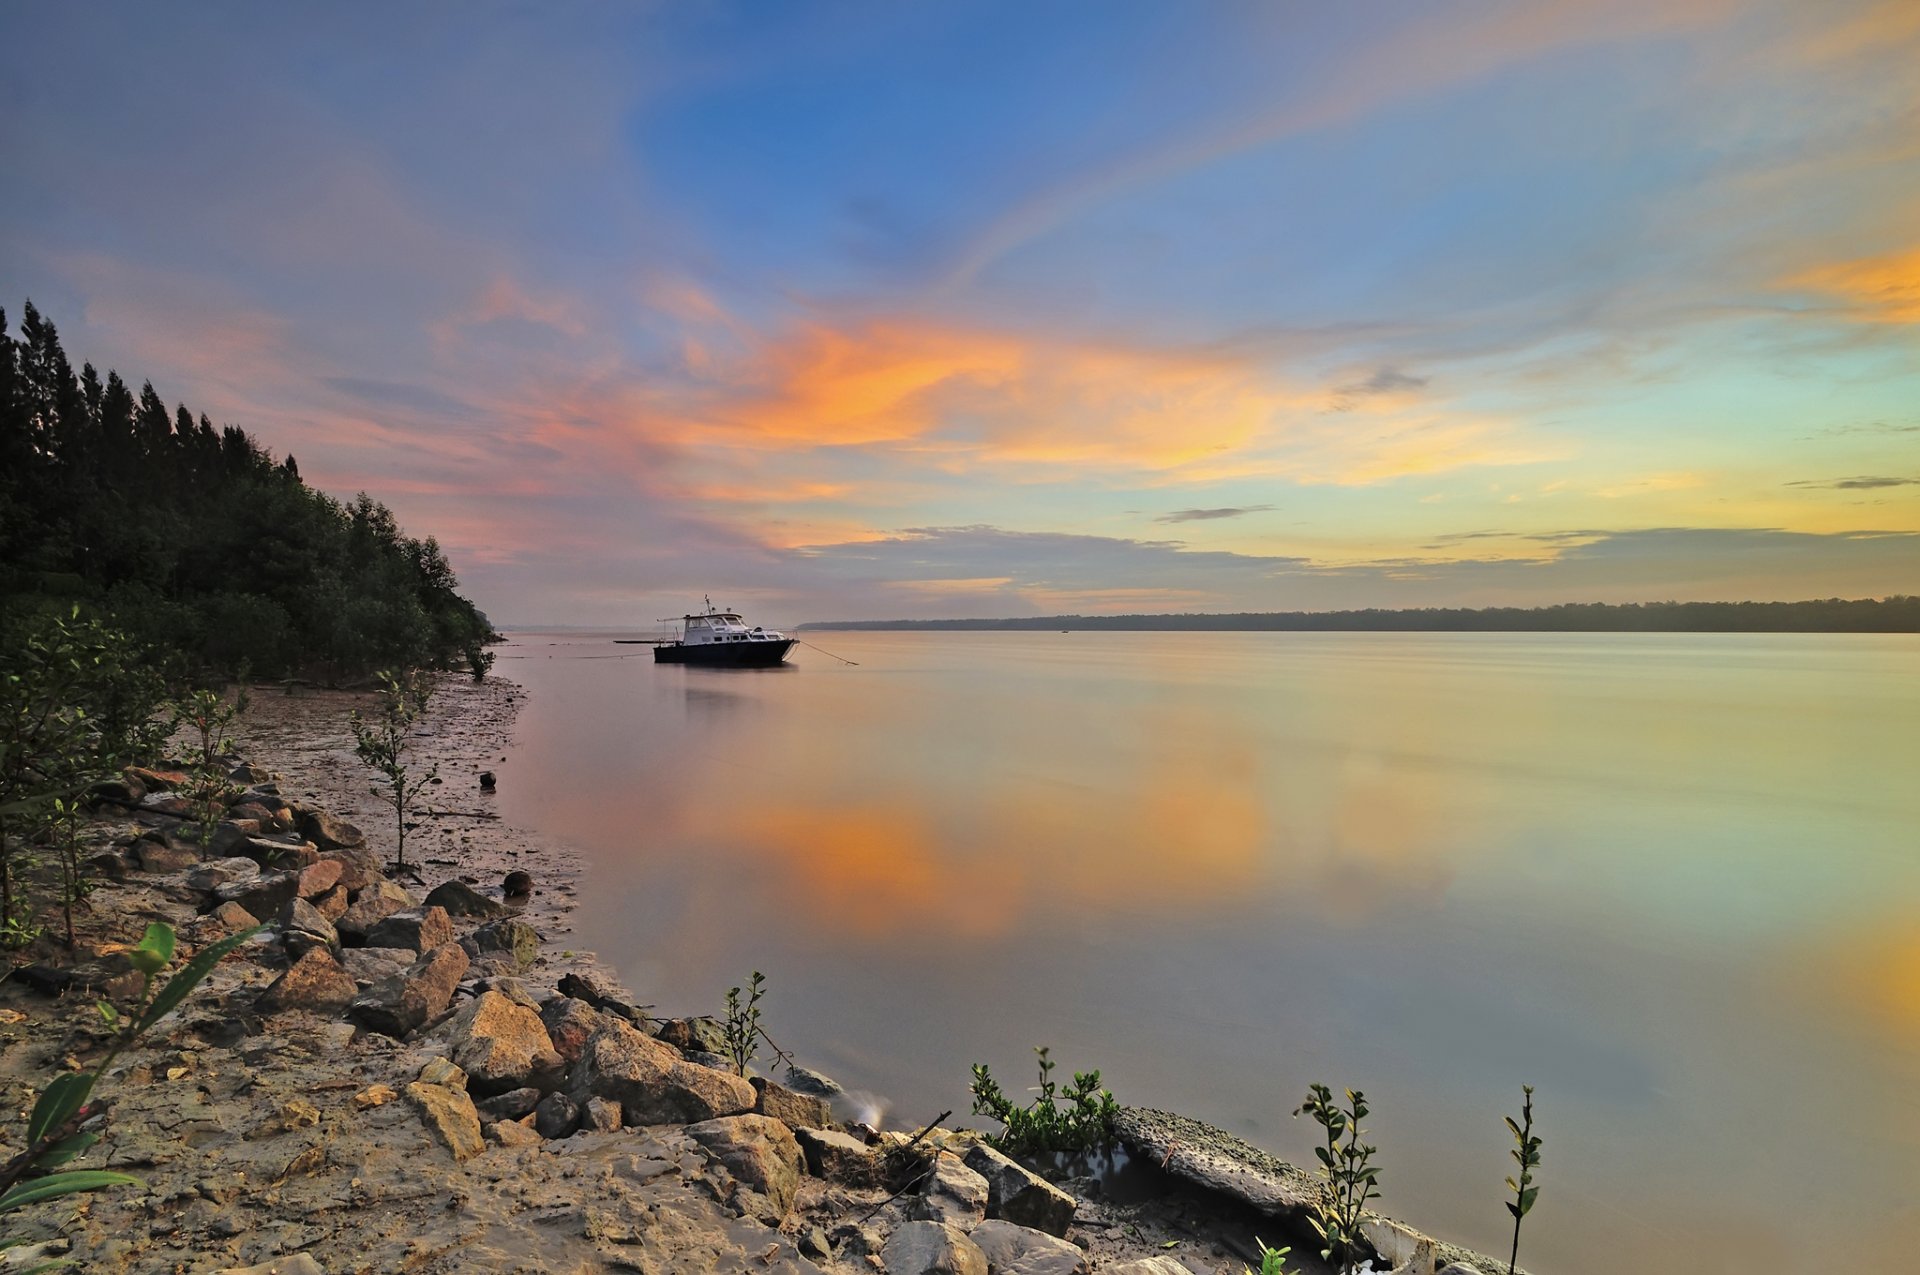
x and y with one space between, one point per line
1210 515
1862 482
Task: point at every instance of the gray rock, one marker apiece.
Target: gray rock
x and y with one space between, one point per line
515 1104
325 831
449 1113
331 904
420 929
1147 1266
502 1045
286 853
234 917
1017 1250
263 895
376 902
758 1151
799 1111
302 927
359 866
318 877
171 855
1216 1161
841 1158
805 1080
951 1193
166 803
461 899
689 1034
601 1115
652 1083
315 983
556 1116
599 989
120 792
510 940
931 1248
211 876
513 989
1018 1195
570 1024
403 1003
371 964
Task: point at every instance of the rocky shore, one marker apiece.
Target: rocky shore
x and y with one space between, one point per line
406 1073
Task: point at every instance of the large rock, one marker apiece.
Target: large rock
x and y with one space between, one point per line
405 1002
599 989
461 899
327 832
600 1115
234 918
371 964
263 895
652 1083
931 1248
556 1116
288 854
377 901
166 803
510 940
303 927
570 1024
314 983
1017 1250
758 1150
332 904
841 1158
1216 1161
1018 1195
318 877
359 866
211 876
800 1111
170 855
951 1192
689 1034
502 1045
420 929
805 1080
448 1111
515 1104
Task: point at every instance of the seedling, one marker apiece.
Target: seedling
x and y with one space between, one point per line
1351 1179
1526 1153
1079 1118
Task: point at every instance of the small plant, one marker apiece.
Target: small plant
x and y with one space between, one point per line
1273 1261
1526 1152
1351 1179
54 1133
207 718
383 744
1079 1118
479 661
742 1025
74 886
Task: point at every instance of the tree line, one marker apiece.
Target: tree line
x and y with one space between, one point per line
196 542
1829 615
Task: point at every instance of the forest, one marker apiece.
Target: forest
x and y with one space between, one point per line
196 542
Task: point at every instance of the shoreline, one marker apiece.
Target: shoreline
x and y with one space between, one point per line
259 1099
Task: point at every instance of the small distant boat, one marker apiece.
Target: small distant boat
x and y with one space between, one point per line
721 639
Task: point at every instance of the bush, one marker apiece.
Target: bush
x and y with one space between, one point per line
1079 1118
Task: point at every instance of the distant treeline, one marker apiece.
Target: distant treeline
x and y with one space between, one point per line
195 540
1831 615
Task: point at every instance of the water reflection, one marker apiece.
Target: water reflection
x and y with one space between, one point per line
1629 870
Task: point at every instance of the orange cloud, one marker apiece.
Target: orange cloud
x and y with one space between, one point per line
1883 289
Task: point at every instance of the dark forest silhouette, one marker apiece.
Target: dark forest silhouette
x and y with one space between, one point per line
195 540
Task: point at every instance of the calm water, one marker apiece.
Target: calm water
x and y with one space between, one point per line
1672 881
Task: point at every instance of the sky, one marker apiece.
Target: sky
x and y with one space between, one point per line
838 311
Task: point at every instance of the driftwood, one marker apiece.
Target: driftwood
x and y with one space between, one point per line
917 1178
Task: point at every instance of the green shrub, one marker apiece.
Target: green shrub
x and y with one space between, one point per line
1526 1152
1078 1118
1351 1179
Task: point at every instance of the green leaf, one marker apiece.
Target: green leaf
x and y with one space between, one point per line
55 1185
1527 1197
66 1095
155 948
190 977
66 1149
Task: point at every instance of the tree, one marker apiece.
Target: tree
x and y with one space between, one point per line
383 743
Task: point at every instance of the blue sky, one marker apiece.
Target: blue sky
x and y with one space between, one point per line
944 309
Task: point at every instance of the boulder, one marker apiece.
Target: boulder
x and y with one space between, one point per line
515 1104
359 866
448 1111
600 1115
325 831
805 1080
111 864
376 902
517 885
599 990
512 1133
556 1116
684 1034
510 940
951 1192
403 1003
570 1023
314 983
155 779
302 927
166 803
230 837
800 1111
234 917
291 854
1018 1250
120 792
211 876
841 1158
931 1248
420 929
332 904
461 899
263 895
758 1151
318 877
1220 1163
652 1083
248 773
1015 1194
171 855
502 1045
371 964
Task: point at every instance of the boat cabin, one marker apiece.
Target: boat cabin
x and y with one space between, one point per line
723 626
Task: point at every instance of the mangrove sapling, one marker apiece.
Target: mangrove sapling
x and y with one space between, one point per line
1273 1261
1526 1152
742 1024
382 743
54 1133
207 718
1351 1179
74 886
1078 1118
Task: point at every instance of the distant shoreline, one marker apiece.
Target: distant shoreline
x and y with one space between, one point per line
1833 615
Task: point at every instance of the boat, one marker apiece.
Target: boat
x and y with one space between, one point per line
721 639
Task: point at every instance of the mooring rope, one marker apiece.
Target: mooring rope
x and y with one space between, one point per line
829 654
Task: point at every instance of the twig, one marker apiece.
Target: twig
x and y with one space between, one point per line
452 814
919 1177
